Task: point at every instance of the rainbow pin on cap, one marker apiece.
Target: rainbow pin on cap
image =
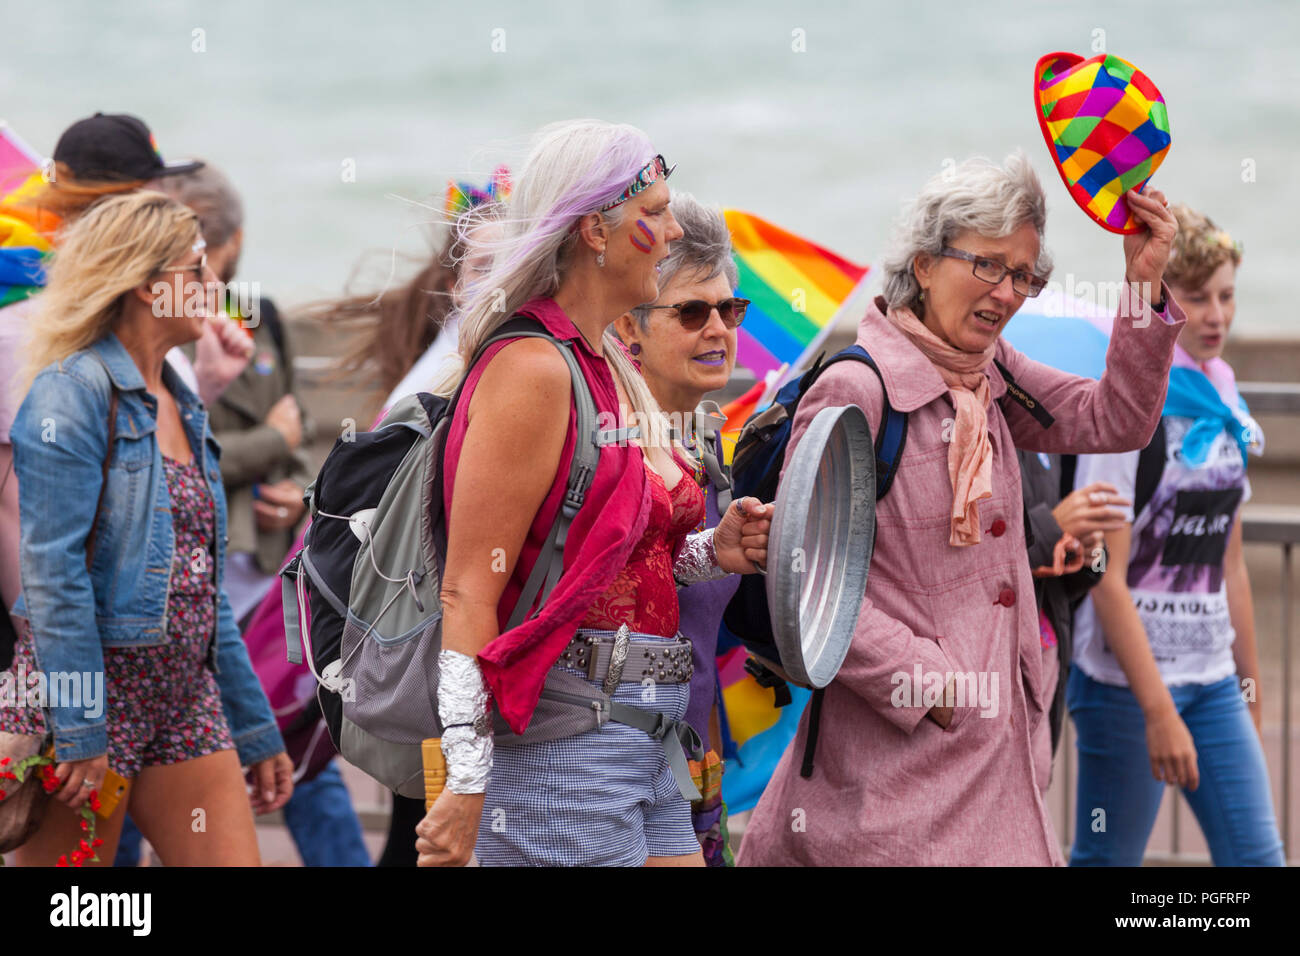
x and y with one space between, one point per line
1107 128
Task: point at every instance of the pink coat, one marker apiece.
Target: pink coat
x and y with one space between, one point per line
891 787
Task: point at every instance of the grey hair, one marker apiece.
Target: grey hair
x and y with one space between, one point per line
213 196
704 248
976 195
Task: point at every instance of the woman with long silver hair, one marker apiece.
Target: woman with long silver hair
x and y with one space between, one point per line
582 240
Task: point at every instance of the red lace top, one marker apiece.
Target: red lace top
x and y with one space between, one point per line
644 594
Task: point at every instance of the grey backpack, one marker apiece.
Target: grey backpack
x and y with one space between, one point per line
361 596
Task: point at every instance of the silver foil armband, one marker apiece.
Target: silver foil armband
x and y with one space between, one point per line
698 561
467 729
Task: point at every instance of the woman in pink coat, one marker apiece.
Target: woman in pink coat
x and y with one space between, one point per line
924 755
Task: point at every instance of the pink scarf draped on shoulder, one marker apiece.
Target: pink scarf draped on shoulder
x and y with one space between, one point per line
601 538
970 454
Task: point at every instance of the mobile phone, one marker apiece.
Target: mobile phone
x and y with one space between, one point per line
111 792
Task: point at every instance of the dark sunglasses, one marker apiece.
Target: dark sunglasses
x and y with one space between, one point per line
694 315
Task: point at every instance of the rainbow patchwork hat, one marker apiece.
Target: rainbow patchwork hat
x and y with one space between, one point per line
1107 128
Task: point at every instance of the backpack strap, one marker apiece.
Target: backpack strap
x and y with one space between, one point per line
891 433
891 436
711 453
1151 466
1022 398
582 469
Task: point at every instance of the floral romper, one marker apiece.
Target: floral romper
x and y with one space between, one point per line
163 705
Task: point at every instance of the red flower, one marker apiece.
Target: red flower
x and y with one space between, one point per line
85 824
63 861
97 842
85 847
94 800
4 762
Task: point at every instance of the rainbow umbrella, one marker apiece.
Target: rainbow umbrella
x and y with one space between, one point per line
797 291
24 231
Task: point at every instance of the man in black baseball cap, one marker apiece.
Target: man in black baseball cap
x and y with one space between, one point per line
114 147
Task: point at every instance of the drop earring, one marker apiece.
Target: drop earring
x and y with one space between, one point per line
600 260
635 348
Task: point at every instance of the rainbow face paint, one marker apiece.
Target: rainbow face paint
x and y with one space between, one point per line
647 244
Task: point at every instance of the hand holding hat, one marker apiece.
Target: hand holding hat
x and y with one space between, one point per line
1147 253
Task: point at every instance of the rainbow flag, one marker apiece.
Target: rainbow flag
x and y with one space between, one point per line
755 731
737 412
796 288
24 232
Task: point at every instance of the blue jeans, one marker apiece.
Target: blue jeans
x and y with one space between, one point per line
1232 803
323 823
320 818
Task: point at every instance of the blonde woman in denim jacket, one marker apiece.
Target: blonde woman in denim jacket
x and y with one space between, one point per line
168 698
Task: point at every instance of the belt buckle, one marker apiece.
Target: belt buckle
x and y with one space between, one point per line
617 658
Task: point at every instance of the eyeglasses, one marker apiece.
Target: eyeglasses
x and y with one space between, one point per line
991 271
200 268
694 315
653 171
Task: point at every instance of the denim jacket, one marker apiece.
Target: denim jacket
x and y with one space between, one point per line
60 439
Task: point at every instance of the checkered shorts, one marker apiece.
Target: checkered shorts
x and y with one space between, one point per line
602 798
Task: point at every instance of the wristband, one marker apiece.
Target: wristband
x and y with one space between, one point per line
466 733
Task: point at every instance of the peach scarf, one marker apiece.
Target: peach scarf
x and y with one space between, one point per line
970 454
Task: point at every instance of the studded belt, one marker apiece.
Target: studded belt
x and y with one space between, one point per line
615 660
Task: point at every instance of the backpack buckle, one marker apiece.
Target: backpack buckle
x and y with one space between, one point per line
602 713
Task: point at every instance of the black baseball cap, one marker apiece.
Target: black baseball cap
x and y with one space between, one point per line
114 147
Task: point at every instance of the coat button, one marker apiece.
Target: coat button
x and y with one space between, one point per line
999 528
1006 597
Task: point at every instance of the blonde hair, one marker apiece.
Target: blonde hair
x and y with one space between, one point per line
1200 247
113 247
573 168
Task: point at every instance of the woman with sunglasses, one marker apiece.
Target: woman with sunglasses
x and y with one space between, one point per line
583 238
685 345
123 543
925 754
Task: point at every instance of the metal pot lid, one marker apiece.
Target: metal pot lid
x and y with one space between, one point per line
819 546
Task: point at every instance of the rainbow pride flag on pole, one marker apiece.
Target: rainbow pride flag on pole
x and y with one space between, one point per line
24 232
797 290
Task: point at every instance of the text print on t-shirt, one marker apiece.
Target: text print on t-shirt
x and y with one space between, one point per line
1199 533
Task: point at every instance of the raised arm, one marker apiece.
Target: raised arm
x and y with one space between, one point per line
1120 412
